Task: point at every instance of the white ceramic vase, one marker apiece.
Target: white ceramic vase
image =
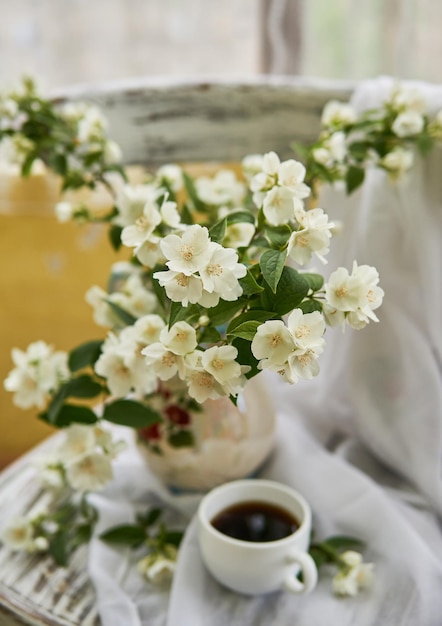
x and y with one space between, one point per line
229 442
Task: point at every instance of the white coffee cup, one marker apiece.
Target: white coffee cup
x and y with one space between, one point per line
257 567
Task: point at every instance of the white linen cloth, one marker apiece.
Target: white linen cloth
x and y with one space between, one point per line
379 396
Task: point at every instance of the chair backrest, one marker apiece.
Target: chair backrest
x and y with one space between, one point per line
164 120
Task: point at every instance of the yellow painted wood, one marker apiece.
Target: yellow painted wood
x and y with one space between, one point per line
46 268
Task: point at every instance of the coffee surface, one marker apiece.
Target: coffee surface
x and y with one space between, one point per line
255 521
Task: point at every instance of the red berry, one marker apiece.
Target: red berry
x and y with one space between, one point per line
177 415
150 432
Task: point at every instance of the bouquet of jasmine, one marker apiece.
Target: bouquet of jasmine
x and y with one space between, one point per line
217 288
210 298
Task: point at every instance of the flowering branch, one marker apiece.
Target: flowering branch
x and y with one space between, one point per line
385 137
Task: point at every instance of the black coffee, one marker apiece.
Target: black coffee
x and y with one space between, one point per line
255 521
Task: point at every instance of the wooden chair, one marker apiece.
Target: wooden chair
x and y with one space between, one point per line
155 122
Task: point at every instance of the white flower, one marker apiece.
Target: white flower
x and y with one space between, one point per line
134 297
15 149
332 151
102 312
8 107
222 270
223 188
304 365
40 544
38 372
189 252
78 441
64 211
398 161
122 365
18 535
202 385
149 252
169 214
342 291
272 342
238 235
220 362
279 205
322 155
172 174
180 287
91 125
164 363
408 123
159 568
252 164
407 98
358 294
148 328
353 575
313 236
131 201
89 472
291 175
112 152
179 339
135 234
338 114
307 330
270 163
332 315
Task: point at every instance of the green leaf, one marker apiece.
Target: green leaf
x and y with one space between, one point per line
300 149
218 231
319 557
55 405
309 306
278 236
209 335
181 439
171 196
254 315
224 311
81 534
291 291
59 164
354 178
71 413
124 316
246 330
342 543
115 236
249 284
245 356
83 386
159 291
58 548
173 536
179 313
126 535
191 192
315 281
149 518
84 355
272 263
236 217
27 164
425 143
130 413
186 215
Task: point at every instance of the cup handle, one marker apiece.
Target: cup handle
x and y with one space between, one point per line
309 573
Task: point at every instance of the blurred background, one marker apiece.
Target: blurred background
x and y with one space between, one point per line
46 266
